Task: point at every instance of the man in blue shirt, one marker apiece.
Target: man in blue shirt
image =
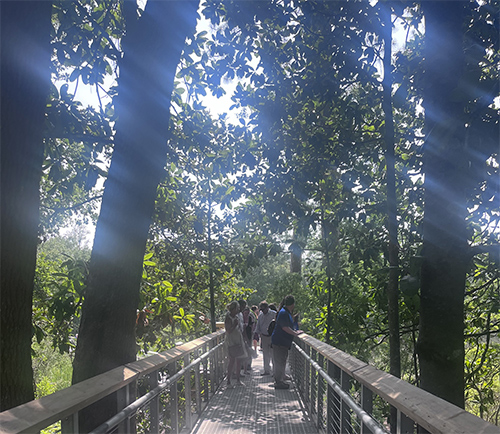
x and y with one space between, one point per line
282 339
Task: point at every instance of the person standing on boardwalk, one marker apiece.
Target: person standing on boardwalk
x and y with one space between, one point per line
265 317
282 339
236 351
255 336
249 322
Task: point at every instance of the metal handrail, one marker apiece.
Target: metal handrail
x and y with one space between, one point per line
65 405
132 409
365 418
325 378
341 392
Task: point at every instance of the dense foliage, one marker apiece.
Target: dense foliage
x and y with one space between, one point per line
298 164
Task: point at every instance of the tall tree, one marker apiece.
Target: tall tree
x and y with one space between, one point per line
25 81
152 50
392 225
445 249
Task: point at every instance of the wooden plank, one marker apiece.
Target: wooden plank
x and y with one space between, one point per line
432 413
343 360
35 415
153 363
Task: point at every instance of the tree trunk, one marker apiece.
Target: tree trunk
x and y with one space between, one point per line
329 232
392 224
152 50
210 261
25 83
295 254
441 338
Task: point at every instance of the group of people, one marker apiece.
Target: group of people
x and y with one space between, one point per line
245 327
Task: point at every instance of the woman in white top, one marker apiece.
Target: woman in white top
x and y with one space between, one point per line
234 343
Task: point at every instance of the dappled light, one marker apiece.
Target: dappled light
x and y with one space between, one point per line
344 152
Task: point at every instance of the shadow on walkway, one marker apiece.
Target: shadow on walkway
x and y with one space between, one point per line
255 407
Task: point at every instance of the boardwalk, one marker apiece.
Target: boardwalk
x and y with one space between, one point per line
255 408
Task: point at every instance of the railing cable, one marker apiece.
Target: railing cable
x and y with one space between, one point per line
132 408
364 417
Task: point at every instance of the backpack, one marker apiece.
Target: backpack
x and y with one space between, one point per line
271 326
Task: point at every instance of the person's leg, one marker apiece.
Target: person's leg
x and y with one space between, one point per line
270 355
266 353
284 365
230 366
238 368
280 355
248 361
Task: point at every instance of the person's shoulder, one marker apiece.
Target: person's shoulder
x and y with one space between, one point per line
281 315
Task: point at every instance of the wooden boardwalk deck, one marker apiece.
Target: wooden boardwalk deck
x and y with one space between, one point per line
255 407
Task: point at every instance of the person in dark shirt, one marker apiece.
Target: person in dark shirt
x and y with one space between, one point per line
282 339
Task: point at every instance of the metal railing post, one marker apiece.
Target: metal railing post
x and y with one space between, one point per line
366 405
300 372
197 384
124 397
321 393
214 363
404 424
69 425
223 363
206 381
333 412
314 387
187 393
345 417
174 399
307 385
154 406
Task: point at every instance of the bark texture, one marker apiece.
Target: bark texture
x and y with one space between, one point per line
152 50
25 81
441 338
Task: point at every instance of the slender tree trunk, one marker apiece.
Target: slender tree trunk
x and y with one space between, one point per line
441 338
329 290
392 225
295 254
330 238
25 81
210 261
152 49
